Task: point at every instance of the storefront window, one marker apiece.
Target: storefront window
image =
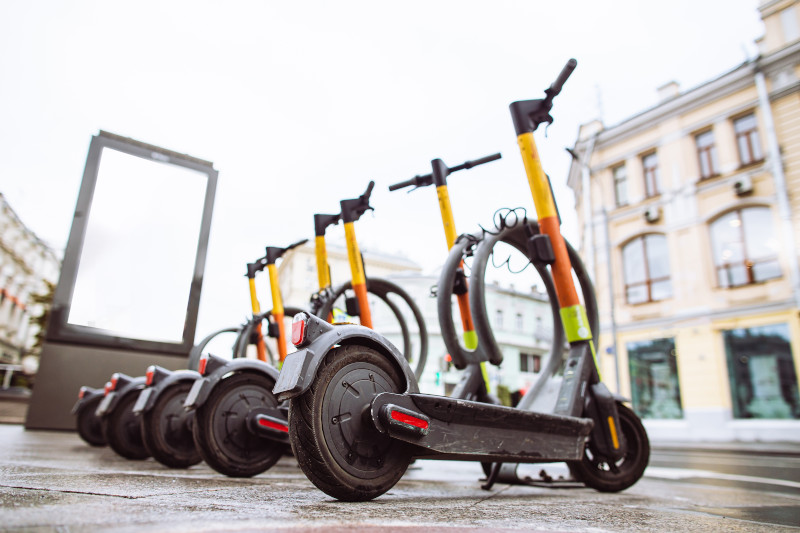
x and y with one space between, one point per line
654 379
761 372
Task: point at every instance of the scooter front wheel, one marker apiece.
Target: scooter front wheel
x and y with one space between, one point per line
613 476
335 443
88 423
122 429
167 429
221 430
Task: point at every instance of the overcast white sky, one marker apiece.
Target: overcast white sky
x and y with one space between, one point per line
300 104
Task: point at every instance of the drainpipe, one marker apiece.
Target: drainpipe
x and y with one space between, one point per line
611 305
589 229
776 164
588 216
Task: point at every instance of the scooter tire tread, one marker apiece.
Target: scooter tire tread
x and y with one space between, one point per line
157 443
212 452
89 426
125 442
634 462
306 433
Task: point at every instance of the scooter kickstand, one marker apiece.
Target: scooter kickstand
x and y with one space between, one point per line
492 478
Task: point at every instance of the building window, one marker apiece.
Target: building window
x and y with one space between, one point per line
620 185
746 130
791 32
646 268
761 371
745 247
652 180
498 319
707 154
520 322
529 362
655 388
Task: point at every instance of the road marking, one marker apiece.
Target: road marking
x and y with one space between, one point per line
684 473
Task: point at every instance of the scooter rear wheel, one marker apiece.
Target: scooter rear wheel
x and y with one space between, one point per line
122 429
167 428
600 474
220 426
88 423
336 446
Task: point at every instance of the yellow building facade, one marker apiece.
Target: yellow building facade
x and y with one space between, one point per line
690 223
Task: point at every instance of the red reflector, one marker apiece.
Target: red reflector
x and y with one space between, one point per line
82 393
107 388
298 332
149 377
114 380
267 423
201 366
299 328
409 420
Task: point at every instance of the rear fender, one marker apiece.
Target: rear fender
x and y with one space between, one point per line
203 386
300 368
161 381
113 398
86 395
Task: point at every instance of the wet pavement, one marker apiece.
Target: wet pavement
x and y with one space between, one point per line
53 481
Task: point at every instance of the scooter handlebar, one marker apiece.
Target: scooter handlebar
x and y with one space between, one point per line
427 179
475 162
556 86
353 208
295 245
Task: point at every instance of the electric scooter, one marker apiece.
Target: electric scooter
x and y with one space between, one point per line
122 428
165 425
239 426
356 417
88 423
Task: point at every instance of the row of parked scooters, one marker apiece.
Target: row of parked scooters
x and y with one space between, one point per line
347 402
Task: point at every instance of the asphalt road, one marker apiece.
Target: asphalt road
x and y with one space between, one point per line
52 481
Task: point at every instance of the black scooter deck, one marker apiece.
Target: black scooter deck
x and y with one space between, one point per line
466 430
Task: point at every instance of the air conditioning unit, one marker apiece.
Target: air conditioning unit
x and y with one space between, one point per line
652 214
743 186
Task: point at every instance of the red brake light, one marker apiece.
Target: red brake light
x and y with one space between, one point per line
201 365
107 388
409 420
149 376
114 380
299 328
82 393
267 423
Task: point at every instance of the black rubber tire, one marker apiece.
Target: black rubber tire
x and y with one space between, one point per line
335 446
382 289
167 428
123 429
599 475
89 425
220 426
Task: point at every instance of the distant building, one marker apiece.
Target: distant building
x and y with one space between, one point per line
690 222
26 263
522 320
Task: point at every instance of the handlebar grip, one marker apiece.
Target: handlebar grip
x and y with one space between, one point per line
482 160
295 245
555 88
403 184
368 192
